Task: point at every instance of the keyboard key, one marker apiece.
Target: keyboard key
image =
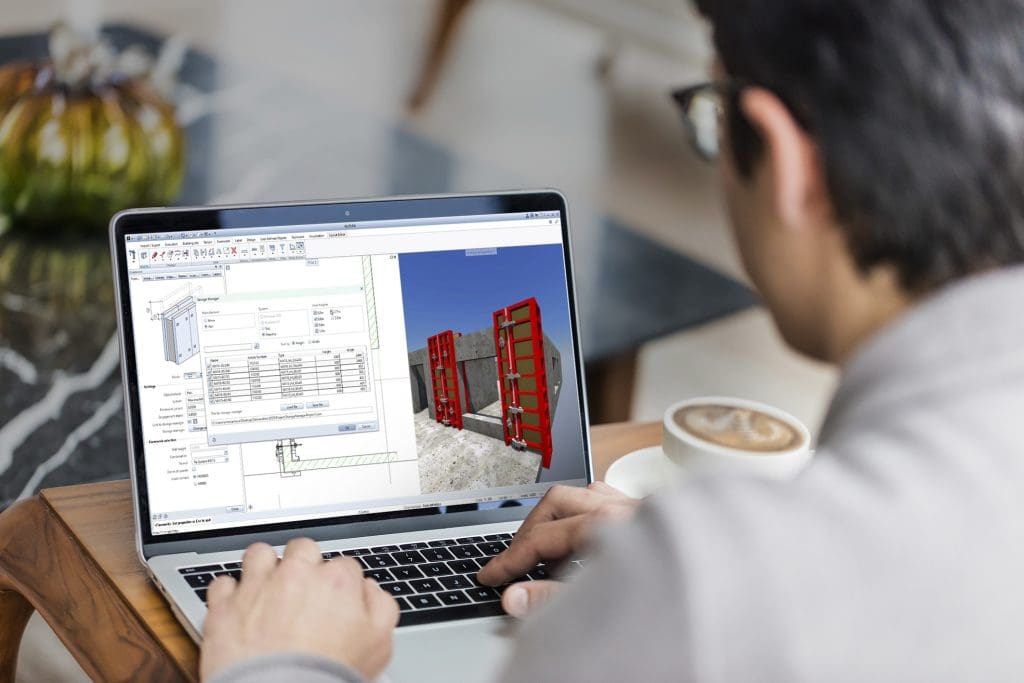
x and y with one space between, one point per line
572 567
465 551
377 561
442 543
397 588
201 594
408 557
433 616
491 549
454 582
204 569
356 552
539 574
471 539
235 574
453 598
425 601
406 573
480 561
435 569
437 555
378 575
385 549
419 545
330 555
232 565
199 580
427 585
403 606
464 567
483 594
498 537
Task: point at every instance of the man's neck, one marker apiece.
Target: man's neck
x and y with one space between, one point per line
865 304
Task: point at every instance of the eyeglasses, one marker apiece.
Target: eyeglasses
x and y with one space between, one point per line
703 109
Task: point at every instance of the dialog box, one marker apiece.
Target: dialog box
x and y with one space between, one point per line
287 364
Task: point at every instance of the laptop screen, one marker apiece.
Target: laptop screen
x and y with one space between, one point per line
308 371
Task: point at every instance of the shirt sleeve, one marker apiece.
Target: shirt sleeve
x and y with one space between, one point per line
294 667
621 618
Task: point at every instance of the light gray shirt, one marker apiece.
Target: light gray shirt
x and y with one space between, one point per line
898 555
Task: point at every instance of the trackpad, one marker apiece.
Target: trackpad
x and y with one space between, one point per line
467 651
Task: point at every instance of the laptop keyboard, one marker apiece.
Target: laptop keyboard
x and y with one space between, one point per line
432 581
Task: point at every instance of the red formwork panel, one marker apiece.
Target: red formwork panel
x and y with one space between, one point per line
522 378
444 379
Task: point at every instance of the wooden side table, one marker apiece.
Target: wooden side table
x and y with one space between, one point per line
69 553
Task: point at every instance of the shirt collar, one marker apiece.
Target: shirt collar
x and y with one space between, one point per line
944 340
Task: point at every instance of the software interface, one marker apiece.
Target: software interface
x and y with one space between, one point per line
299 372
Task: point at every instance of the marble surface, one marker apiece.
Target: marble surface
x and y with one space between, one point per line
254 137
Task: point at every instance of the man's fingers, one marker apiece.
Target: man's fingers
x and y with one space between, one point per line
548 541
345 573
382 607
555 539
607 491
300 604
220 590
615 512
521 598
565 501
303 550
258 562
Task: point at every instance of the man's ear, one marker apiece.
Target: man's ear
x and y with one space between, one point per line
796 177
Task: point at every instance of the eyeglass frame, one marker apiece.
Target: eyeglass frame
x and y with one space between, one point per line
684 97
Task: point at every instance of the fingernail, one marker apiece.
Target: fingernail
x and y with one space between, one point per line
516 601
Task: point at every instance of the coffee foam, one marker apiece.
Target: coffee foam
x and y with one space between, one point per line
738 428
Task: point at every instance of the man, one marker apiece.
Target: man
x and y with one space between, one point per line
873 165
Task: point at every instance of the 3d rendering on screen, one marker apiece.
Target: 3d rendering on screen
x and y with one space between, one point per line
486 397
180 330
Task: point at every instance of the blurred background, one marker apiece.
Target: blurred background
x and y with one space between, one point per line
202 101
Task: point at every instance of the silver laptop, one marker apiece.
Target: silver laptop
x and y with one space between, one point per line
399 379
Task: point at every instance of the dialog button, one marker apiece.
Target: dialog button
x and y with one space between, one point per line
318 404
291 406
346 428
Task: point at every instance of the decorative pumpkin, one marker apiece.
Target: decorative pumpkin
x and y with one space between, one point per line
83 136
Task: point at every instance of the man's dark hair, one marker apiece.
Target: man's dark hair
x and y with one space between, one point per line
917 107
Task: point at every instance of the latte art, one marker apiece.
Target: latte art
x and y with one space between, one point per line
739 428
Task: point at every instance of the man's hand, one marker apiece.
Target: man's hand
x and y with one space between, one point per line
301 604
558 527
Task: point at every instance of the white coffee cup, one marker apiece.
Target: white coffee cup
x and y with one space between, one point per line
735 436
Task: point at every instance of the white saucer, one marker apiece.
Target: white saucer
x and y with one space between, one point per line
641 473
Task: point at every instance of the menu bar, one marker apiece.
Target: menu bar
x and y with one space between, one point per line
356 225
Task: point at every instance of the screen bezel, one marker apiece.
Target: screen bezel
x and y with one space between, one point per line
147 221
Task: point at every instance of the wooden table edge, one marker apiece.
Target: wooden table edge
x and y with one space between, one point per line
44 568
47 496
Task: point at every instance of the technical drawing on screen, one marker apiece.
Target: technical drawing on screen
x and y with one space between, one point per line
281 370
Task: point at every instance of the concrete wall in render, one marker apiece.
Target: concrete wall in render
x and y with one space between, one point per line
419 376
